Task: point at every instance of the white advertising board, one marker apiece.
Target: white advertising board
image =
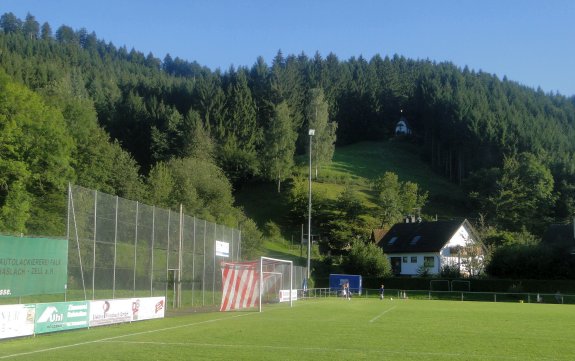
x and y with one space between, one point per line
16 320
222 249
284 295
107 312
148 308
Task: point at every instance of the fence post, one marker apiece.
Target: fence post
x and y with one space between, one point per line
73 210
152 251
168 255
136 248
194 261
204 267
180 255
115 249
214 272
94 253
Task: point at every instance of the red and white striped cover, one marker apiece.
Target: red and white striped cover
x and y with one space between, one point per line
240 285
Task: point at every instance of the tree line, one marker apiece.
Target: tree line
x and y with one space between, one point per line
141 127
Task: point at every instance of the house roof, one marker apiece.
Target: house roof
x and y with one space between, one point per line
420 237
377 234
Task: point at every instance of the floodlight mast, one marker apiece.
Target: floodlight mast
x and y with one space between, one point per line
311 134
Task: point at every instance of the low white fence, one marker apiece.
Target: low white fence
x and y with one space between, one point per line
531 297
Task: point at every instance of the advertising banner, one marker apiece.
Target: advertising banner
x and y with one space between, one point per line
148 308
16 320
222 249
32 266
61 316
284 295
107 312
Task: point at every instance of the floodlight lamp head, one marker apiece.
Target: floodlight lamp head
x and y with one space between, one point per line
312 132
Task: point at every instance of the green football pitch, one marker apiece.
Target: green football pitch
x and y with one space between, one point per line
325 329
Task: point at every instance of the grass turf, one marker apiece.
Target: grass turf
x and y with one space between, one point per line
326 329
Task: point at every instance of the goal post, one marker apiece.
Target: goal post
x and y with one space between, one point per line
276 281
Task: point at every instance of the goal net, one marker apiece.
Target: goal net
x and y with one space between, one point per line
460 285
253 284
439 285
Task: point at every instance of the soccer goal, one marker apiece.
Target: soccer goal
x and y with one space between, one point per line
461 285
439 285
276 281
253 284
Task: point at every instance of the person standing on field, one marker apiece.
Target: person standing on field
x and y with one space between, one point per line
382 292
347 292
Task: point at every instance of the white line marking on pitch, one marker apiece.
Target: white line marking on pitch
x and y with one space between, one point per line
107 339
381 314
329 350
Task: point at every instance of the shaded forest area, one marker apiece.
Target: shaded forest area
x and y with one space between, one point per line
142 127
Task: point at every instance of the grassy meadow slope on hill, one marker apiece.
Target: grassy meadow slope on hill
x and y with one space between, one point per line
356 164
369 160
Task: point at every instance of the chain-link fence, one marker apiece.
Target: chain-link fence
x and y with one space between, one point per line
122 248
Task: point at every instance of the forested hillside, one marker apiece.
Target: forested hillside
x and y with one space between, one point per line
142 127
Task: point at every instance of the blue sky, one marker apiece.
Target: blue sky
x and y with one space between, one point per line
531 42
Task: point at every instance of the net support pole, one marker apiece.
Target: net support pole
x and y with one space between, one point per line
193 260
152 251
135 249
71 197
204 266
94 253
290 284
261 284
168 257
180 255
115 249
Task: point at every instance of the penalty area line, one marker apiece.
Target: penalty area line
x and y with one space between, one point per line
381 314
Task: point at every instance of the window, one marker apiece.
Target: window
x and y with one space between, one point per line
413 259
428 262
404 259
414 240
392 241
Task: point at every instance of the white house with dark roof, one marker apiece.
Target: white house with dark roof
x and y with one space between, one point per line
412 247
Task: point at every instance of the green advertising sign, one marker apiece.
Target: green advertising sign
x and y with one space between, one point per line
61 316
32 266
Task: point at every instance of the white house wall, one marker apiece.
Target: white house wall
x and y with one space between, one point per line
460 238
411 269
